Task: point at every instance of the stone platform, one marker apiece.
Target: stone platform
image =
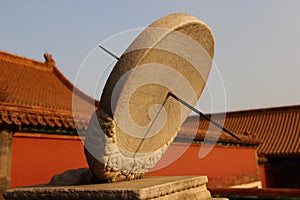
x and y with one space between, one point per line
163 187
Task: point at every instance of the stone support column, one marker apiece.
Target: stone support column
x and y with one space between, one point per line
5 159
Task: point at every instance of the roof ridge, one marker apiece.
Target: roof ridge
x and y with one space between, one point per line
268 110
24 61
37 93
73 87
48 65
288 108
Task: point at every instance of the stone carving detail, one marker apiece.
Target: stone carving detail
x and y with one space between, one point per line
107 124
137 120
107 162
49 59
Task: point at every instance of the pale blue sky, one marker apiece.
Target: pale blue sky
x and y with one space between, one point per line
257 42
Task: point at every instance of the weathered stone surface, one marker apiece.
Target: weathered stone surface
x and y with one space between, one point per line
5 158
72 177
179 187
137 120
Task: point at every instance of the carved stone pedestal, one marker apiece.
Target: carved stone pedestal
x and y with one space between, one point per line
173 187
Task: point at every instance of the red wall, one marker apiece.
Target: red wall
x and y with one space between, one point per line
222 161
36 160
262 175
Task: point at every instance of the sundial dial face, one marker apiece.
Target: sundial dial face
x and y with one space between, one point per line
137 120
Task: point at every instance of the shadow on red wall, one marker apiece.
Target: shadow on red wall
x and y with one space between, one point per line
36 160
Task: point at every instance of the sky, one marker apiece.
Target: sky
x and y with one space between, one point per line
257 43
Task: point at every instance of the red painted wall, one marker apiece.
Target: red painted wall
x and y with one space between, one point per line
262 175
36 160
222 161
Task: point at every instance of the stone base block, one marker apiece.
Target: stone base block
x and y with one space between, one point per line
158 188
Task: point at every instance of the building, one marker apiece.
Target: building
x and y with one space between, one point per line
38 135
38 127
37 122
278 132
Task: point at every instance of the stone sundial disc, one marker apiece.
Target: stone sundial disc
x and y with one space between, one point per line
136 120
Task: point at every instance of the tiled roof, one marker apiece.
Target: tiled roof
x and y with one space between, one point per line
36 93
277 129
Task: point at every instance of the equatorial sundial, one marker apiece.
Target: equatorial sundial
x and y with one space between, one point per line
148 95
